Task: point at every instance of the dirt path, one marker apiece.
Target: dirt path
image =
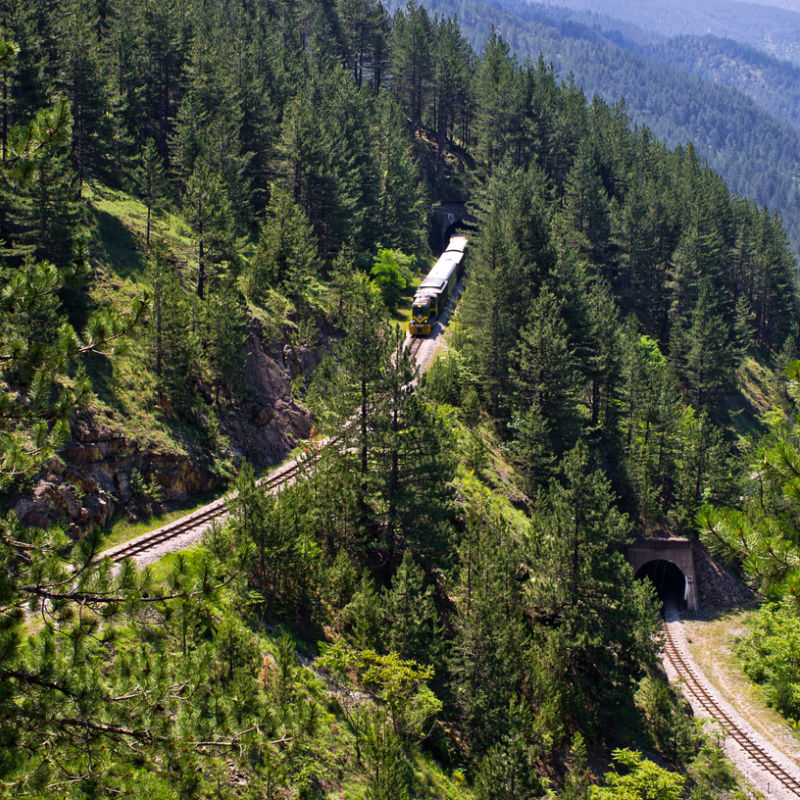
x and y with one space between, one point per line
761 780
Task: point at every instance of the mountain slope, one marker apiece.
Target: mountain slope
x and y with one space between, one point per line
756 154
771 29
773 84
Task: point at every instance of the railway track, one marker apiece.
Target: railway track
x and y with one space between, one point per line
695 686
216 511
414 345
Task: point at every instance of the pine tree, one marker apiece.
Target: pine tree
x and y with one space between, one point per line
705 354
82 82
412 61
174 343
498 100
587 205
343 391
490 634
414 630
545 380
400 201
594 620
287 256
508 264
208 208
451 68
151 181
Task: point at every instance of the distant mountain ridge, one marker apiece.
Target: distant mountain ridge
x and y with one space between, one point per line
767 27
757 154
773 84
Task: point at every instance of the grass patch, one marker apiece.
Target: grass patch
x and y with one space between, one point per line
121 222
123 530
712 643
753 400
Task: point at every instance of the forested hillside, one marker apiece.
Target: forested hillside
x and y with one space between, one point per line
772 84
439 606
771 26
755 153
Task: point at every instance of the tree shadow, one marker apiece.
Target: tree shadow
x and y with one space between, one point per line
123 256
710 613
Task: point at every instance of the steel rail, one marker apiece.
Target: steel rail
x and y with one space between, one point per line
694 685
213 511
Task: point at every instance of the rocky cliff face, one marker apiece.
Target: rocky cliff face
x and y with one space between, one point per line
102 471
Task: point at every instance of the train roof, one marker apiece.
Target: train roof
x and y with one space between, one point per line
457 244
442 270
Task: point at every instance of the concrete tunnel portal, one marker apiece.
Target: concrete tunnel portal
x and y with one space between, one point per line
669 564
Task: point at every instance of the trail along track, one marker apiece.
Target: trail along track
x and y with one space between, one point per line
186 531
772 778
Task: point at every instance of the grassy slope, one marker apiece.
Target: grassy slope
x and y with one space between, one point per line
126 397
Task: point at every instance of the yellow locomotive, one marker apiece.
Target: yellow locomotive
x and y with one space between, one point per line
437 286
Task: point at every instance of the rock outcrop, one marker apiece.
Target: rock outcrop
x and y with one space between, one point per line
103 470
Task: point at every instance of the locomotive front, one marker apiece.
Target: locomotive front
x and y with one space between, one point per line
423 313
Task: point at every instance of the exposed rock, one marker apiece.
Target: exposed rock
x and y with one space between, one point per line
718 587
92 479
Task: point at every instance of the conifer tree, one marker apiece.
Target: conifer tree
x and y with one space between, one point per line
595 621
209 210
412 61
499 103
82 82
400 200
152 182
413 621
491 634
508 264
545 389
451 68
287 256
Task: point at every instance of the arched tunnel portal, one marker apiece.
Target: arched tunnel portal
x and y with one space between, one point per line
669 563
668 580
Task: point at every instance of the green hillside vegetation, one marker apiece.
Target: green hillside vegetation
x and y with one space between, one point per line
441 608
771 27
773 84
755 153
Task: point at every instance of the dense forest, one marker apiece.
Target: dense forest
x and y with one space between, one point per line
756 153
773 84
441 607
771 26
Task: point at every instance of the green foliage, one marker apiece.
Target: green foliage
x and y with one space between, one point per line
597 623
286 257
762 533
283 555
642 780
395 682
770 654
613 288
391 271
665 721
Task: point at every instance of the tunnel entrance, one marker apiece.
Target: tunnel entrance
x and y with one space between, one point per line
668 580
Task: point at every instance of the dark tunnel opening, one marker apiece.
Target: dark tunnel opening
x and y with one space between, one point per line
668 580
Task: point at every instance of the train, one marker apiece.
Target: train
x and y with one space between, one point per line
433 293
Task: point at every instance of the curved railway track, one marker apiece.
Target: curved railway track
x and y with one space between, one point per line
201 518
695 686
218 510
